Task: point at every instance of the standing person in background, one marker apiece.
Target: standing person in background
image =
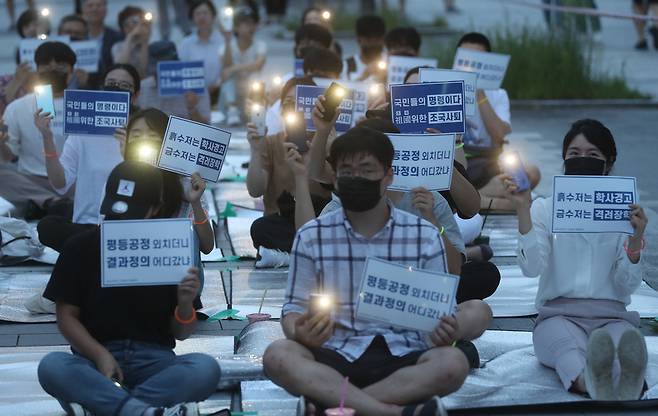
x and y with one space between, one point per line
77 29
316 16
11 11
94 12
643 7
134 50
204 44
403 41
180 11
370 35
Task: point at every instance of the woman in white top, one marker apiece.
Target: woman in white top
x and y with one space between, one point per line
586 282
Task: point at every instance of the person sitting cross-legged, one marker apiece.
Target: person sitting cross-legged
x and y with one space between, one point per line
392 371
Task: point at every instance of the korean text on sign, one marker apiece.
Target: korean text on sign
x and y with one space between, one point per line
398 66
177 77
438 105
469 78
305 98
146 252
190 147
490 67
422 160
405 297
87 54
593 204
95 112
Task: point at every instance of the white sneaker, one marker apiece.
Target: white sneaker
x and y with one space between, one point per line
272 258
598 371
183 409
78 410
301 406
233 118
632 353
217 117
37 304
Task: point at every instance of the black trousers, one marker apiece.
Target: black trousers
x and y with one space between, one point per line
273 231
479 280
55 230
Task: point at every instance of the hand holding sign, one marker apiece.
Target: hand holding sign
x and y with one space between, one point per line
423 201
446 332
197 188
639 220
188 288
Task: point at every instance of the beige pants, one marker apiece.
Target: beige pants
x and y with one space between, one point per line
19 188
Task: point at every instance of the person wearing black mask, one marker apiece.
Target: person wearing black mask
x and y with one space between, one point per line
370 33
583 329
26 178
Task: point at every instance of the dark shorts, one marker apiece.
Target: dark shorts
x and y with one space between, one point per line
645 2
374 365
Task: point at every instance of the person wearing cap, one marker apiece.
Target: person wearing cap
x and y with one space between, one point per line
134 49
122 338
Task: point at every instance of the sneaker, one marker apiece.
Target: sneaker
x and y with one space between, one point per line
233 118
271 258
183 409
598 371
632 353
37 304
471 353
78 410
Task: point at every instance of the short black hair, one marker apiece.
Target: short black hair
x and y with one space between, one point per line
130 70
198 3
315 33
477 38
293 82
72 18
362 141
319 60
385 125
128 12
403 36
27 17
596 133
413 71
247 12
307 11
370 26
54 51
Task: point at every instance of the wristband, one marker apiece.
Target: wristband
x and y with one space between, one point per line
184 321
195 222
633 252
459 145
482 101
443 230
53 155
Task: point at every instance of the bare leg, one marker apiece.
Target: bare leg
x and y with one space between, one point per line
11 11
640 25
473 317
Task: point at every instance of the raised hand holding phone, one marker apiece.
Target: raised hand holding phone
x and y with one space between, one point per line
44 98
513 167
333 95
296 130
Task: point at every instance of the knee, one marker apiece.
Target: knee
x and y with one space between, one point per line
451 368
53 367
480 312
275 356
205 372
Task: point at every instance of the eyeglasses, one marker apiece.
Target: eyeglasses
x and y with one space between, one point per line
124 85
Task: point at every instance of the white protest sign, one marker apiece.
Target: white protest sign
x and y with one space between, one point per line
87 53
360 90
146 252
489 66
469 78
190 147
593 204
405 297
27 47
422 160
398 66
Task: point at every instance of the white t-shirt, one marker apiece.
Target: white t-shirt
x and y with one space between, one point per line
476 135
256 50
191 48
25 140
87 163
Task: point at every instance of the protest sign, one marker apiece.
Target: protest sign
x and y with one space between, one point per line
469 78
437 105
27 47
178 77
490 67
191 147
146 252
360 91
398 66
593 204
299 68
87 53
405 297
95 112
306 97
422 160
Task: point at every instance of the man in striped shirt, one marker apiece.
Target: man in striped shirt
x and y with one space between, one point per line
389 368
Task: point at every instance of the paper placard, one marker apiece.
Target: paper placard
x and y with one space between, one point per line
191 147
87 54
27 48
146 252
398 66
489 66
438 105
593 204
95 112
178 77
469 78
305 98
298 70
404 296
422 160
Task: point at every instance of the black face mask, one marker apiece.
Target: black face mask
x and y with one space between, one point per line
584 166
55 78
370 52
358 194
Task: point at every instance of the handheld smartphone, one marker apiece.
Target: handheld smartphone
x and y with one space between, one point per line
257 92
319 304
513 166
226 19
44 97
296 130
258 118
333 95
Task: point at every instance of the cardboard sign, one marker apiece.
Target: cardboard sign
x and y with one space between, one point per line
360 90
191 147
146 252
422 160
405 297
469 78
490 67
398 66
87 54
299 68
306 97
27 48
95 112
178 77
438 105
593 204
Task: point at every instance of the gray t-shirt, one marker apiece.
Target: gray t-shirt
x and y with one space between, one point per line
442 212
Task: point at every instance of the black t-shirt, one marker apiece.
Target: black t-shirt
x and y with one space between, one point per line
139 313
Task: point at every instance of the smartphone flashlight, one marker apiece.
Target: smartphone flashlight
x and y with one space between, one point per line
277 80
326 15
45 12
333 98
375 89
43 36
291 119
381 65
148 16
146 153
296 130
513 166
228 11
319 304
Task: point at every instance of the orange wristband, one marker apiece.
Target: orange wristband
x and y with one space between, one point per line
205 220
184 321
51 155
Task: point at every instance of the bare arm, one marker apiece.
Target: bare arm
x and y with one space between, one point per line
496 127
187 291
257 177
466 197
304 211
318 168
54 167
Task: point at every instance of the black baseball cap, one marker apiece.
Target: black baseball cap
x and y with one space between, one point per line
131 190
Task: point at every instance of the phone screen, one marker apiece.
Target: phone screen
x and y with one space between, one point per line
319 304
296 130
258 118
513 166
333 95
44 97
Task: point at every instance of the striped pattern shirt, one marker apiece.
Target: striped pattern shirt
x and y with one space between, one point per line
328 256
